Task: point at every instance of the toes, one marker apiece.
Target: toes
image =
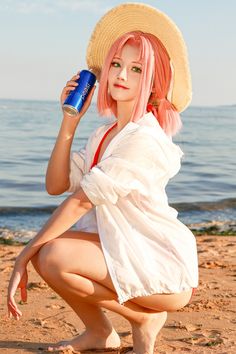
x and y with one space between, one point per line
61 348
67 348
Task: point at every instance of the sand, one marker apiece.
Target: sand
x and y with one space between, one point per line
207 325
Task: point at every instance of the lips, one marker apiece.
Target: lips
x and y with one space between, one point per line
120 86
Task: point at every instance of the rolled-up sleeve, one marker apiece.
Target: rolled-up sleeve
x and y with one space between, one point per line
77 169
111 179
134 165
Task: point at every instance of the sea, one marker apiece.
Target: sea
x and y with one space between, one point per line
203 192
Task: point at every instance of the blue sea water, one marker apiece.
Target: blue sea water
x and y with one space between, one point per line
203 190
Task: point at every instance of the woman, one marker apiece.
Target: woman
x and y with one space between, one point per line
130 253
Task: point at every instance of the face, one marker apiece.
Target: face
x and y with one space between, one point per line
124 74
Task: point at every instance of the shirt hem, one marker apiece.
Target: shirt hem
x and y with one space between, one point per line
123 298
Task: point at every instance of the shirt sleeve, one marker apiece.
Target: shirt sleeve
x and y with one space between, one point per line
135 164
77 169
78 160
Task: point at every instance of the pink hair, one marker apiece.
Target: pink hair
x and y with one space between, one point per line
154 83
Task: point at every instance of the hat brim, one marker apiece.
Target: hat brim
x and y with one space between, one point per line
136 16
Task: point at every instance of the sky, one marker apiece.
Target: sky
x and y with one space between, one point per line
43 44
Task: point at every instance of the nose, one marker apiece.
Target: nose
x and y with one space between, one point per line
122 74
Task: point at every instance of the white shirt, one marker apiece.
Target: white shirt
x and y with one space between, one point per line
146 248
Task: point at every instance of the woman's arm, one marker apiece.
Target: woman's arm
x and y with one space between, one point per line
58 170
65 216
62 219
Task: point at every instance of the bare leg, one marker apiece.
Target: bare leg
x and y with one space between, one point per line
145 323
99 331
98 327
68 266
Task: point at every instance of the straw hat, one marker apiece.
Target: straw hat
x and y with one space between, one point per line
137 16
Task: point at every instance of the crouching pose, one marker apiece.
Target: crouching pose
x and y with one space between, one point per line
129 254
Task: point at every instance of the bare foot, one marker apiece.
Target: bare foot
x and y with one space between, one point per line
89 340
144 334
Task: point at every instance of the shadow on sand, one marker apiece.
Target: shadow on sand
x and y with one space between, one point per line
31 347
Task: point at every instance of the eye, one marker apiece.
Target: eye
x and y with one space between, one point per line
115 64
137 69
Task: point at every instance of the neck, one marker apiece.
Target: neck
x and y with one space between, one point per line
123 114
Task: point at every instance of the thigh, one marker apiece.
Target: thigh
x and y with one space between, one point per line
80 235
165 302
80 253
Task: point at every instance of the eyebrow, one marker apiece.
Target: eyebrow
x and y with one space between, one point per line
138 62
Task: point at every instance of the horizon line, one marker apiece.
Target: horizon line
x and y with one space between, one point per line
55 101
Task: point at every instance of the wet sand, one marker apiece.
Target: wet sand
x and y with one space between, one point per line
207 325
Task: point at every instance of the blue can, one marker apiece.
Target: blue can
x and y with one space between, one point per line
74 102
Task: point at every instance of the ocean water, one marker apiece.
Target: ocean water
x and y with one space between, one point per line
204 190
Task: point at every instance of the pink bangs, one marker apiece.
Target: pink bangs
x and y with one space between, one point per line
155 76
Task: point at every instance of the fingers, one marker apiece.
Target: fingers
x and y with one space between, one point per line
75 77
18 279
13 309
72 82
23 293
14 312
70 86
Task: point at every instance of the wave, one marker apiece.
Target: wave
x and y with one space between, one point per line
217 228
20 224
11 211
229 203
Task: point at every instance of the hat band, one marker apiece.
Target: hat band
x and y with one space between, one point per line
170 92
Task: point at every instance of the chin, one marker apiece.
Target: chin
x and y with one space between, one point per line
121 98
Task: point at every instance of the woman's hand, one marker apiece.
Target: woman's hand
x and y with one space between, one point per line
71 86
19 279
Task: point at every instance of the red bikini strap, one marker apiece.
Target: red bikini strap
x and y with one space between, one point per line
95 160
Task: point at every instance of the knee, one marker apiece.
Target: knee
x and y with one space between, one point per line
46 261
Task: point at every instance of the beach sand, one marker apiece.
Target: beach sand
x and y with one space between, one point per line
207 325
